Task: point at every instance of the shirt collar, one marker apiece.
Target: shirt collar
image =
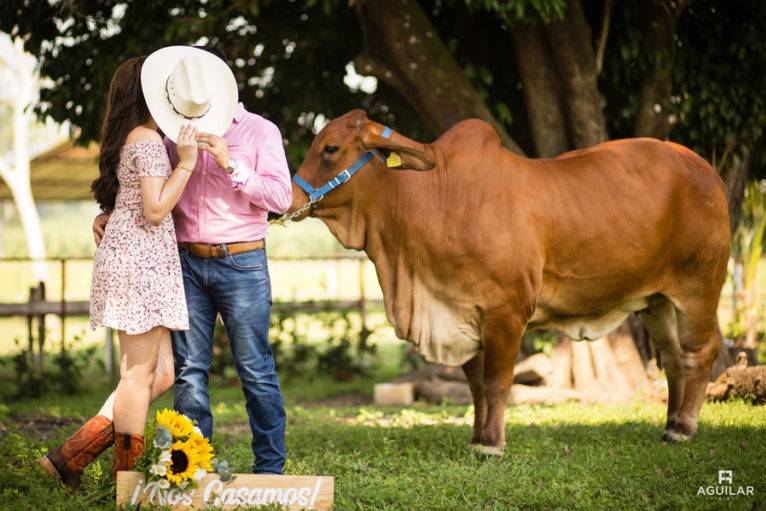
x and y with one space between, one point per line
239 112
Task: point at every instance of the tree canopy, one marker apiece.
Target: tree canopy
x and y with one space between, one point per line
550 75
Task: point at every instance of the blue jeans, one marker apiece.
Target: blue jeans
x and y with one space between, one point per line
238 287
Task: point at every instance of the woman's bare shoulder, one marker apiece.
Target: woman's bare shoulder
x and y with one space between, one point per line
142 134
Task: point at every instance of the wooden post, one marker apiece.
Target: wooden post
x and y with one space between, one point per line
63 305
40 332
31 360
363 333
362 298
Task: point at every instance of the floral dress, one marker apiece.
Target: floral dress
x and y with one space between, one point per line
137 283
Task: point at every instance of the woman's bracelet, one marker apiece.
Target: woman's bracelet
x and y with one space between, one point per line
184 168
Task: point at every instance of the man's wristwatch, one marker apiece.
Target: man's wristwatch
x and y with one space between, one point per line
232 166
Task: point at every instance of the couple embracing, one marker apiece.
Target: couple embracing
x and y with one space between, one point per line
160 280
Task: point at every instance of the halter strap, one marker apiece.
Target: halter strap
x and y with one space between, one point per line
343 176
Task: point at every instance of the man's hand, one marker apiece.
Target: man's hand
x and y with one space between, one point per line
216 146
99 224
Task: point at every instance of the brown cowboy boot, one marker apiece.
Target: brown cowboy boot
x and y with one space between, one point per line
67 462
127 447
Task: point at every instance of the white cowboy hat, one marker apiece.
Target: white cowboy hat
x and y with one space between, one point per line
183 85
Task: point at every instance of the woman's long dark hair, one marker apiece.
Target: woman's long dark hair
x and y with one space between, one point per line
125 109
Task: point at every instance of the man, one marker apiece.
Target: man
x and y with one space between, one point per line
221 223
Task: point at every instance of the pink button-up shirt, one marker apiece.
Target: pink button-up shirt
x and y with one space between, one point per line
217 207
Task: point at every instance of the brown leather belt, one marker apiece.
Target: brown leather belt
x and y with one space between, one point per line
217 250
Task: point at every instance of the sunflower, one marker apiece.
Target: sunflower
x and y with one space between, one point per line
203 450
178 424
184 462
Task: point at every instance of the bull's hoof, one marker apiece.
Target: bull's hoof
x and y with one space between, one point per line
489 450
675 437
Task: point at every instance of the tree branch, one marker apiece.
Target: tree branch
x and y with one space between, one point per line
601 46
404 49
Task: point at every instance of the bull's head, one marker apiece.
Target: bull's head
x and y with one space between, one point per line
342 143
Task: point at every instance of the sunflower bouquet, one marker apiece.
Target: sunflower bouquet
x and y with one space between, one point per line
177 454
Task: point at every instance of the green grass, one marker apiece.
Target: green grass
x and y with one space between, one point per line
569 456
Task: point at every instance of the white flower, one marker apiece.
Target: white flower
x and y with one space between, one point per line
158 470
164 457
199 474
164 484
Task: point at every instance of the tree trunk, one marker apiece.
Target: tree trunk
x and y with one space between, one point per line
30 222
17 178
403 49
734 173
570 42
659 20
541 96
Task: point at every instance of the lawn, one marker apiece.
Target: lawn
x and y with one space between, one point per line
572 456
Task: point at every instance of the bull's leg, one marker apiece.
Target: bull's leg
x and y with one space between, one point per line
473 370
502 339
661 322
700 342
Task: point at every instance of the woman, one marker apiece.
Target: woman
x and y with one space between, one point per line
137 287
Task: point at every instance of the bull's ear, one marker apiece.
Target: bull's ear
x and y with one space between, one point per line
397 157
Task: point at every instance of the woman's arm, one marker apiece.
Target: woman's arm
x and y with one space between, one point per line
160 195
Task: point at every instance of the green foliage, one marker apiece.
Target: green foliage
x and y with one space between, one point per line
747 248
747 243
63 371
325 344
539 342
517 10
290 59
719 76
271 46
340 351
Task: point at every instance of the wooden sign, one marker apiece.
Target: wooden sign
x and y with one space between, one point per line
244 490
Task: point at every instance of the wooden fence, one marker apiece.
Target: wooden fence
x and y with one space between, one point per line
37 306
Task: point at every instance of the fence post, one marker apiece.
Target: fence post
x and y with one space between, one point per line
40 331
31 360
63 305
362 305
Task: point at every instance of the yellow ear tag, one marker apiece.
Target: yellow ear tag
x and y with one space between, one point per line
393 160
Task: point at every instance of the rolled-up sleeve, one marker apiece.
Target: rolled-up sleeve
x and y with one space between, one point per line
265 181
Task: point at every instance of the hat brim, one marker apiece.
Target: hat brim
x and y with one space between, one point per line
221 84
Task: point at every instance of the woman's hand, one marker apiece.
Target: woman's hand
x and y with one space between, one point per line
186 147
99 225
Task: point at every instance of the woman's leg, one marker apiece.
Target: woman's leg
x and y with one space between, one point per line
138 363
163 377
139 355
67 461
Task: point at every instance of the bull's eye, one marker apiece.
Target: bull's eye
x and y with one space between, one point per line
329 149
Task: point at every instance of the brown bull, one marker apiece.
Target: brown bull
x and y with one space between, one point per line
485 245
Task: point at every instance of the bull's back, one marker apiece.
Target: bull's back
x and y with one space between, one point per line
624 216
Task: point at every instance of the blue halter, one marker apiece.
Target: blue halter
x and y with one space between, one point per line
316 194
